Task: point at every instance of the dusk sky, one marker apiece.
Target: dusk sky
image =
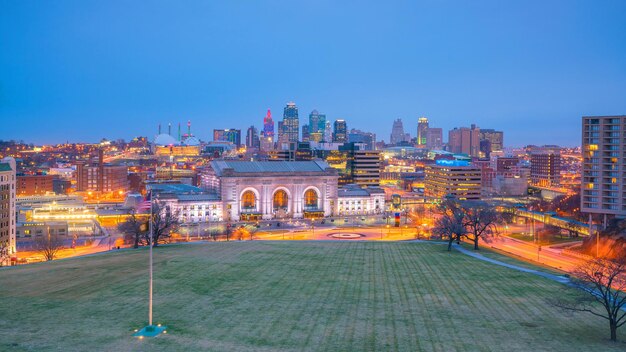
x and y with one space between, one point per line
84 70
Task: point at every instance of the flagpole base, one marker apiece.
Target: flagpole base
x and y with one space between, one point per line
151 331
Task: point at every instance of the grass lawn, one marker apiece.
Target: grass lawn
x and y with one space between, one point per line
290 296
545 240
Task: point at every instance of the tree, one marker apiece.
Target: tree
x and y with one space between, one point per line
4 253
49 246
451 223
602 283
164 221
480 220
135 227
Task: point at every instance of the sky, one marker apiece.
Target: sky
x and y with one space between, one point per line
85 70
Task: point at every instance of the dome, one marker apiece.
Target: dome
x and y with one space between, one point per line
165 139
192 141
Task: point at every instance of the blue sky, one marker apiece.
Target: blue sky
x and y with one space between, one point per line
83 70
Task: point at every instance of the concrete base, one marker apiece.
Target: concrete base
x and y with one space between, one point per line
151 331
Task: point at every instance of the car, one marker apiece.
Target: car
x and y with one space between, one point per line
323 222
363 218
346 220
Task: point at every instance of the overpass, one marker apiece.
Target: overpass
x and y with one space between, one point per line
570 225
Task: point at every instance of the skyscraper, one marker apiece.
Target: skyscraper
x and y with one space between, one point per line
464 140
291 124
545 167
317 125
495 138
328 132
341 132
422 130
397 132
252 138
268 125
228 135
305 133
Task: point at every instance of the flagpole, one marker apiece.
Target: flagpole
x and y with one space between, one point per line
150 265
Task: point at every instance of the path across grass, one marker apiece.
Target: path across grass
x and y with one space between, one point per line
290 296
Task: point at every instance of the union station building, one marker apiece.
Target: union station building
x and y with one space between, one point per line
233 190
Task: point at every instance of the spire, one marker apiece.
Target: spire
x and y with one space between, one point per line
189 128
169 128
159 128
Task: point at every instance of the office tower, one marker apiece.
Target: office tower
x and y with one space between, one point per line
422 131
434 138
228 135
362 166
317 125
545 167
305 133
495 138
268 125
281 132
291 124
397 133
341 132
252 138
603 172
368 139
464 140
7 210
452 178
328 132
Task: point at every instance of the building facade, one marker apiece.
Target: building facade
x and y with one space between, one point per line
340 134
464 140
227 135
422 131
7 210
290 127
30 185
354 200
545 168
101 178
452 178
434 138
603 173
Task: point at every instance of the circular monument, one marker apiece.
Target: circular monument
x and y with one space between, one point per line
346 235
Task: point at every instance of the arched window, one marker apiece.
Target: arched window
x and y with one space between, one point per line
310 199
280 199
248 200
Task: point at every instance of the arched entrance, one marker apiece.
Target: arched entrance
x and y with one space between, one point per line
280 203
249 206
312 205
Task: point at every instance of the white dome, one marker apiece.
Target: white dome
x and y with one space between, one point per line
192 141
165 139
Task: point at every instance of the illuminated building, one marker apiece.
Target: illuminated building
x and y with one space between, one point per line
252 190
603 172
317 126
464 140
545 168
252 138
397 133
166 145
29 185
341 132
300 151
101 177
495 138
362 166
422 131
268 126
227 135
7 210
290 127
368 139
354 200
452 178
305 133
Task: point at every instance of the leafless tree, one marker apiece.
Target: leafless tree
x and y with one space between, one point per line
4 253
135 227
601 283
480 220
451 224
49 245
164 221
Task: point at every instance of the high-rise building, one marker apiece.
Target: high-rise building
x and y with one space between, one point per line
305 133
603 178
317 122
252 138
495 138
453 178
545 168
227 135
422 131
397 133
328 132
434 138
291 124
464 140
7 210
268 125
341 132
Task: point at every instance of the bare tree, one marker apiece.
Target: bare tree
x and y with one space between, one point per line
135 227
480 220
451 224
164 221
602 283
49 245
4 253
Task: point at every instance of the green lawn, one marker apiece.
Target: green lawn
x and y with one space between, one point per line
289 296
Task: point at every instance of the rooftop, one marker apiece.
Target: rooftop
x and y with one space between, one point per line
268 166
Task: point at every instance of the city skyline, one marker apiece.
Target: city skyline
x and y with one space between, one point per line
76 65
